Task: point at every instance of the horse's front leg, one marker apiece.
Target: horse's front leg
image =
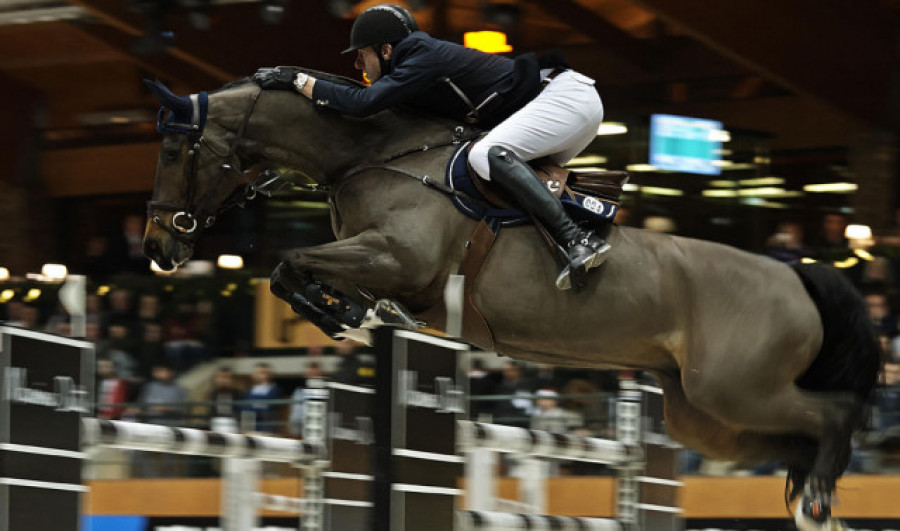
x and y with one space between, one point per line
315 282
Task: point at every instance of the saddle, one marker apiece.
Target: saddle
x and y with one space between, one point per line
591 198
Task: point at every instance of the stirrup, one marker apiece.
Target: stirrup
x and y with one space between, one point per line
565 278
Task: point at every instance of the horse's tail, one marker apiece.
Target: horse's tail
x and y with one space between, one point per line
850 358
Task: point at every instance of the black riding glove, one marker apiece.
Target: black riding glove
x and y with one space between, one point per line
278 78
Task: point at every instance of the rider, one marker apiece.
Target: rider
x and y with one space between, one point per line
533 107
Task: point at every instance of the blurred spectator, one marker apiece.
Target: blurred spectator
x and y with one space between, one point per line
481 383
120 307
126 250
97 263
786 244
182 344
14 311
592 404
264 390
297 417
548 416
547 376
831 243
110 390
514 411
119 348
884 321
150 350
356 367
161 401
223 410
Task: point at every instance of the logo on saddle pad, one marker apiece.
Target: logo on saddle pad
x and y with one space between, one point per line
593 204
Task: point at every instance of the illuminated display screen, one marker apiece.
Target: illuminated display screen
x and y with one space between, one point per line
690 145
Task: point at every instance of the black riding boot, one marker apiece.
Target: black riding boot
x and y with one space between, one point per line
585 249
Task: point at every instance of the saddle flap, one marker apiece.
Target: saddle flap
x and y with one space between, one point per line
607 183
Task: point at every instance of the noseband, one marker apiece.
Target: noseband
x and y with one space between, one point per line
185 222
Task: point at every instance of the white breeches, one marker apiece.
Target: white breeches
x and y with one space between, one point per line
559 123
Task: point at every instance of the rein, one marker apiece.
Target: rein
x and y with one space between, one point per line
458 138
185 218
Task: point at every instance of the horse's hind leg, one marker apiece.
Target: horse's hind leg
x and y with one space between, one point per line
762 401
700 431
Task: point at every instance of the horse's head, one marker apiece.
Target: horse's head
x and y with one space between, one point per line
199 172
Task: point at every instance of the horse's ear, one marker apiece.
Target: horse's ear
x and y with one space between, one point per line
168 99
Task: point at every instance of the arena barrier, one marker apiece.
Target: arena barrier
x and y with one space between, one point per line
382 459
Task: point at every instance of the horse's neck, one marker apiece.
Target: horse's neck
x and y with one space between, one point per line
325 145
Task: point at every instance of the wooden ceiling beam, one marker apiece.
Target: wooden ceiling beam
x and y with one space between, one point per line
163 66
114 13
637 51
842 52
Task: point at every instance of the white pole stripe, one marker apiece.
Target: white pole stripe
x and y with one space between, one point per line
430 456
346 475
40 450
660 481
497 521
348 503
46 338
423 489
537 443
188 441
659 508
13 482
351 388
422 338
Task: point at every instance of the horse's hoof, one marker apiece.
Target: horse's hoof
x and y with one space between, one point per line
815 515
393 313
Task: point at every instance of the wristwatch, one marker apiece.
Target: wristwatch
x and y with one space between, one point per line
300 81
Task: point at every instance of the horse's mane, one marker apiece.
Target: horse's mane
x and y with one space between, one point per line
402 112
334 78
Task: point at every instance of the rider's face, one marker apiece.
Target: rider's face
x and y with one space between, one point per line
367 61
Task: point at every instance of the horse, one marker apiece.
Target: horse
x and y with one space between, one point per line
759 361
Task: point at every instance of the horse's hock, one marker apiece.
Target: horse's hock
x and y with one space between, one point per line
418 448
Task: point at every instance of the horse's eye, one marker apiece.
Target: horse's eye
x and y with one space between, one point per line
171 155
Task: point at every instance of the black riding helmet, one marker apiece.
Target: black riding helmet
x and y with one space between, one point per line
377 25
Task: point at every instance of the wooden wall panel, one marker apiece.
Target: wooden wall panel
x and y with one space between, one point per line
102 170
703 497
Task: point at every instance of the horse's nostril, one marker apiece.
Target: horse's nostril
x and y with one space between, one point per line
151 248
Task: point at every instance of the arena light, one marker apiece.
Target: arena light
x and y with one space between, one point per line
761 181
586 160
860 237
719 193
4 273
54 272
659 190
588 169
486 41
230 261
864 254
32 295
858 232
612 128
641 167
768 191
834 188
846 264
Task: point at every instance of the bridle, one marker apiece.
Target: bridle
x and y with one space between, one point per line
187 218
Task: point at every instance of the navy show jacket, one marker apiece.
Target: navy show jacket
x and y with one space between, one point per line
419 62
